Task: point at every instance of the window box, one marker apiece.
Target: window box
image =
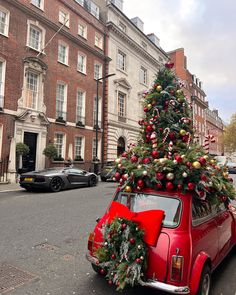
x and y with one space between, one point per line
78 159
96 127
59 159
60 120
80 124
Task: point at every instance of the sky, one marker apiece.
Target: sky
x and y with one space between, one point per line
206 29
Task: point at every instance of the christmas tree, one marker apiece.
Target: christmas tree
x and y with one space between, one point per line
165 157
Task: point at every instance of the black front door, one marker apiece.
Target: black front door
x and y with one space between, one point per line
28 161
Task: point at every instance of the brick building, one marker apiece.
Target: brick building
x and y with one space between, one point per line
193 91
51 53
215 127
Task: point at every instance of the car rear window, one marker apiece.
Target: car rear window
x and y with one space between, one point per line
139 202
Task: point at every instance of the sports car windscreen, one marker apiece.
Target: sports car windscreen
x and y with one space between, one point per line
139 202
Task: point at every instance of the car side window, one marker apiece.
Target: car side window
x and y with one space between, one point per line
74 171
202 211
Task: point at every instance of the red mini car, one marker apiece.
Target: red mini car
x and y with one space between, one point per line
195 237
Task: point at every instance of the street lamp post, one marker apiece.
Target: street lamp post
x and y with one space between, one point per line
96 147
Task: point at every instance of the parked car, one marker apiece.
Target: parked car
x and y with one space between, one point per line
108 172
195 237
56 179
231 167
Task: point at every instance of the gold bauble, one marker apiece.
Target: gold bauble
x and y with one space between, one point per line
182 132
149 106
159 88
128 189
225 174
206 157
196 165
213 162
118 160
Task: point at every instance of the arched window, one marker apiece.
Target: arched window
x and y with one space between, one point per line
120 146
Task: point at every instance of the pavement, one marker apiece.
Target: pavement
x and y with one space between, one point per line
9 187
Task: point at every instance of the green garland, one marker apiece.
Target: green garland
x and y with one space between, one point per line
123 255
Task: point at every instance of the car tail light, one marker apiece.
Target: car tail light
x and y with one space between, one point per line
90 241
177 264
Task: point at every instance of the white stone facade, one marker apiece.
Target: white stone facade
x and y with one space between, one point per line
136 51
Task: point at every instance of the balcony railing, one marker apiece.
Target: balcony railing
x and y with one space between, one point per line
61 116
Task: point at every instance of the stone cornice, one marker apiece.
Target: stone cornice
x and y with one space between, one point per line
204 104
133 44
123 125
56 27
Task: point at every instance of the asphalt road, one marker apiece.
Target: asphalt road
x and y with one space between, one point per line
45 234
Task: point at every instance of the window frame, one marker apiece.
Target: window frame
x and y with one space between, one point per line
65 21
121 63
98 40
123 113
62 144
66 46
99 111
85 30
2 82
94 149
34 104
40 6
42 31
143 79
81 147
81 54
82 106
7 21
62 111
99 71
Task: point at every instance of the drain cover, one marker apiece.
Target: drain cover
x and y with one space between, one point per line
12 277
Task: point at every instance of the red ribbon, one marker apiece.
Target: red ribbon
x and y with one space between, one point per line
150 221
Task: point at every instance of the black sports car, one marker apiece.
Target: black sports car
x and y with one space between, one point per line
56 179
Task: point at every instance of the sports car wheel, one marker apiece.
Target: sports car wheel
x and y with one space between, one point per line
92 181
56 184
205 282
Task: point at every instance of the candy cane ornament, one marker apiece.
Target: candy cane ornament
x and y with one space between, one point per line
208 139
166 132
153 139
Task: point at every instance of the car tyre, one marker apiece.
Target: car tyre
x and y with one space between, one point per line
205 281
92 181
96 268
56 184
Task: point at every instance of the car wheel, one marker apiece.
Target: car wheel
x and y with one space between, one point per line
205 281
56 184
103 179
92 181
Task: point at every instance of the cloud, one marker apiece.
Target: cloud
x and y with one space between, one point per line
206 30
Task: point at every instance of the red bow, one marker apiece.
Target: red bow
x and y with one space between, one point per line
150 221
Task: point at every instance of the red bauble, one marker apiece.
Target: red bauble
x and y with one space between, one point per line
185 138
146 161
110 282
169 65
113 256
124 225
179 159
140 183
203 177
148 138
132 241
155 154
134 159
138 260
124 155
191 186
169 185
102 271
172 135
161 130
149 128
179 186
202 161
117 176
146 110
189 164
160 175
159 185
